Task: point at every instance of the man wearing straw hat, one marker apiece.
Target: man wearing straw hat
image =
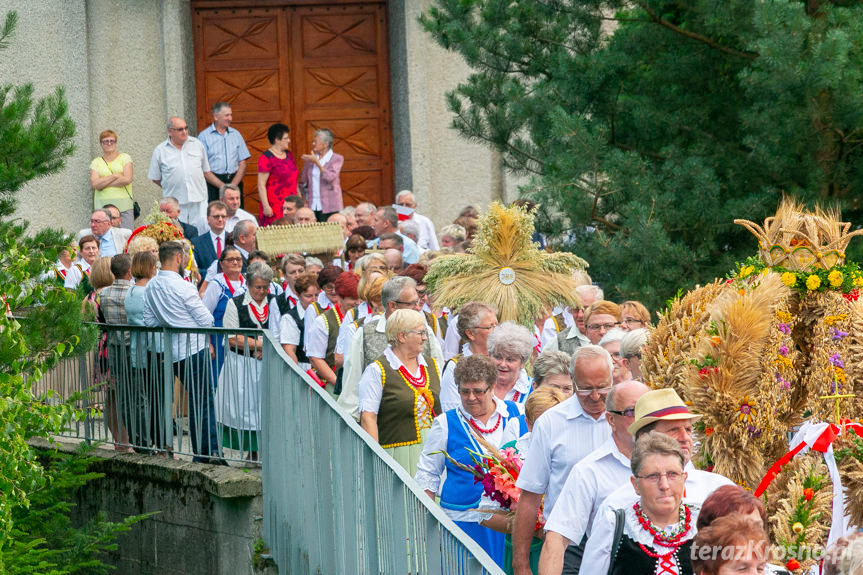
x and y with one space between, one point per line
662 410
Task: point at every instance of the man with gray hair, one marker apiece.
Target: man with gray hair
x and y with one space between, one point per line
112 241
387 222
226 152
562 437
365 214
370 340
410 229
569 340
427 237
591 480
171 208
232 196
179 166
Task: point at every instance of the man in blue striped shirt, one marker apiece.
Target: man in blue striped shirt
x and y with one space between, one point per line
226 151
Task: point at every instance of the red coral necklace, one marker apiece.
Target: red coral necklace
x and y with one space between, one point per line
479 429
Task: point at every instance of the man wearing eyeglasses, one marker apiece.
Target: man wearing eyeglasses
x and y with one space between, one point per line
209 245
179 166
370 340
562 437
591 480
112 241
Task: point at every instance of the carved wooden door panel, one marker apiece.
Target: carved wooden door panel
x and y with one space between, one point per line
310 66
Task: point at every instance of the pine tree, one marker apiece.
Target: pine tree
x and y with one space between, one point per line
41 324
646 127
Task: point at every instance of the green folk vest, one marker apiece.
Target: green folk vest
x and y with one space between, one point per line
398 424
332 323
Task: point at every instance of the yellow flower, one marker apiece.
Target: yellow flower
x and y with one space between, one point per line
839 375
832 319
858 280
746 270
813 282
784 316
835 278
789 279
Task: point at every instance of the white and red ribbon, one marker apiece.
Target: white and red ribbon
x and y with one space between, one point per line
819 437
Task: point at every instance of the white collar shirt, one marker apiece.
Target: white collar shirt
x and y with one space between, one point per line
315 196
591 480
432 463
239 216
181 171
372 387
221 237
170 301
428 236
561 437
449 397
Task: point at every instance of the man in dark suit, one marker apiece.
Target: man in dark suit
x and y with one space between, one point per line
208 246
171 208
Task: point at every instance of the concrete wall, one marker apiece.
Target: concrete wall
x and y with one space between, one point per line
129 64
207 522
125 64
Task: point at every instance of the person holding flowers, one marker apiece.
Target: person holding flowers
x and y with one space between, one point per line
481 415
398 392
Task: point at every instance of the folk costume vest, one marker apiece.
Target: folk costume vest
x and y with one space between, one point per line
244 315
332 322
567 345
286 308
398 426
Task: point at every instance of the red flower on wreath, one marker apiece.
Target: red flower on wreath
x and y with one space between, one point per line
792 565
852 295
808 494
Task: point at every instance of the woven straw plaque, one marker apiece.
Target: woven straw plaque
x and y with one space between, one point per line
311 238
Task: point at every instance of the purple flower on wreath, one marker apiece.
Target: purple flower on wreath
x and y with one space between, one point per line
783 383
838 334
836 360
753 431
783 350
784 328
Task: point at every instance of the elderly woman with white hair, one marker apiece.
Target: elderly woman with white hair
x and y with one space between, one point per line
611 341
630 350
320 178
475 323
510 346
399 391
238 395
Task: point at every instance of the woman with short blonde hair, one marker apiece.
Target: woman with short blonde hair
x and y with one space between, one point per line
399 391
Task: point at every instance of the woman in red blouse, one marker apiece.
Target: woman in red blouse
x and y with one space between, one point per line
277 174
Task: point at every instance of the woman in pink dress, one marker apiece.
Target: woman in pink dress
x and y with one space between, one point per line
277 174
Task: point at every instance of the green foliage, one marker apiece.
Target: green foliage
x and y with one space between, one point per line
43 538
43 324
646 127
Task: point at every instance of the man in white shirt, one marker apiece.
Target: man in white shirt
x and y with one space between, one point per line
427 235
591 480
230 195
554 448
387 222
112 241
659 410
245 240
170 301
179 166
365 214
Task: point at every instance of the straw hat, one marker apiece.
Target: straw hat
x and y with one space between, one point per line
659 404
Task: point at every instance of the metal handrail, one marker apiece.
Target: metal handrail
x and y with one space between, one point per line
370 515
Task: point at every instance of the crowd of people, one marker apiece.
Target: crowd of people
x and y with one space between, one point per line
606 480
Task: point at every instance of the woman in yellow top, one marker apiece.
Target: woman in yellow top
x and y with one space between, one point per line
111 178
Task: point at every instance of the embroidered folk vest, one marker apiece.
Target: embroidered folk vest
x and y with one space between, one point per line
398 423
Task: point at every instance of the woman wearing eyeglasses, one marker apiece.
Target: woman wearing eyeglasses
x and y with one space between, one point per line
600 318
476 321
480 413
657 529
633 315
219 291
398 392
111 179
